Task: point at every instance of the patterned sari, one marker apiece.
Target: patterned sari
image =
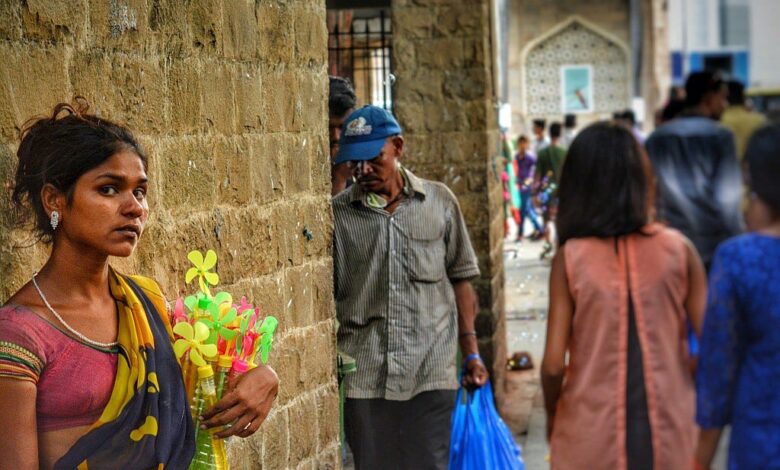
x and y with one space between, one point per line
147 422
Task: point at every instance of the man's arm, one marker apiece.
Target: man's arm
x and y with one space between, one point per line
476 374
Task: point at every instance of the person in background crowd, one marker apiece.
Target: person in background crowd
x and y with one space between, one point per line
547 176
540 139
402 266
738 377
569 129
511 195
525 163
341 102
621 290
88 376
629 118
739 118
672 110
694 157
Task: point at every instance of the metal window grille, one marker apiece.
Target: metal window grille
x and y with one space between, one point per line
360 49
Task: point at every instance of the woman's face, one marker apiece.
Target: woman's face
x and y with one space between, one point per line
109 209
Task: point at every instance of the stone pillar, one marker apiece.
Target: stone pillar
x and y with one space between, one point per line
656 65
228 98
442 58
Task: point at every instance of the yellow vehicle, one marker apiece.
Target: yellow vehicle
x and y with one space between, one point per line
765 100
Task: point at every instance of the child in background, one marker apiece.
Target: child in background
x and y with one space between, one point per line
621 290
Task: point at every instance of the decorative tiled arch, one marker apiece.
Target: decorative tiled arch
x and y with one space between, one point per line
575 41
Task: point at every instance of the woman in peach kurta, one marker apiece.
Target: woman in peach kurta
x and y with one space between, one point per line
621 292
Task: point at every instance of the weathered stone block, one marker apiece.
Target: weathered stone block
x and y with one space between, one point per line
10 125
53 20
276 440
328 415
129 90
466 84
320 342
422 83
298 291
413 22
275 32
320 164
184 91
187 172
36 77
303 423
296 164
267 167
10 23
311 107
240 29
315 215
286 361
249 97
289 235
219 105
440 53
119 24
282 100
311 34
206 27
233 171
322 290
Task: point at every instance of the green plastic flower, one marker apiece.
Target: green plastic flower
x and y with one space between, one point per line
201 270
222 315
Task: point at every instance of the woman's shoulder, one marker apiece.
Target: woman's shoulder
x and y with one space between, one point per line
21 329
748 248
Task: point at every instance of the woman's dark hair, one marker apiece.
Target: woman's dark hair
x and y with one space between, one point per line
763 160
57 150
607 184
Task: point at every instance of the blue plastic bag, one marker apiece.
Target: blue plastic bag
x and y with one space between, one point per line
479 439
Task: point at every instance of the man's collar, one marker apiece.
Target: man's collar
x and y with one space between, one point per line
413 184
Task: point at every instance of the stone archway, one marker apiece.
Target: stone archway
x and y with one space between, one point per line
575 42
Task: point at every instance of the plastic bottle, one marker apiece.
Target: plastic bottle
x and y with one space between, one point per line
224 365
209 451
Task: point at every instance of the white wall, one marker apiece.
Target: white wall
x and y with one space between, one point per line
764 43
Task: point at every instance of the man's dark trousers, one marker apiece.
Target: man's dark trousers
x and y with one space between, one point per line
400 435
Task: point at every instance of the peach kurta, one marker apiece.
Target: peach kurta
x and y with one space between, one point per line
590 422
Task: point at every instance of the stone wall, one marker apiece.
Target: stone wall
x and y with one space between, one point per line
442 58
228 99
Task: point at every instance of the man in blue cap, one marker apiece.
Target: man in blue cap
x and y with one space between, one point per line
403 263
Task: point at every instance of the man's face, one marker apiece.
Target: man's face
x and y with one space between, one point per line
539 132
717 102
378 174
522 146
335 126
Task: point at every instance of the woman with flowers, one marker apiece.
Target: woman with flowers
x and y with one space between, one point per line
88 375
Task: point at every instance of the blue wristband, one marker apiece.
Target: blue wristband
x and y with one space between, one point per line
470 357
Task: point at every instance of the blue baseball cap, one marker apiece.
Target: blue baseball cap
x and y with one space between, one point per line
365 132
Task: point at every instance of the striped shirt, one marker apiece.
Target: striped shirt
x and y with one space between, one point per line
394 297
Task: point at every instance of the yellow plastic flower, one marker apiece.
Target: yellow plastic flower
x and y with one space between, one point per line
192 340
201 270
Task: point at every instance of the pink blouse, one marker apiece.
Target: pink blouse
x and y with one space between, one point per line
74 381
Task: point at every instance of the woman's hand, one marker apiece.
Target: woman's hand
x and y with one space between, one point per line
246 404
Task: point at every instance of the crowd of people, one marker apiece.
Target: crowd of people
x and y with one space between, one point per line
662 316
663 312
